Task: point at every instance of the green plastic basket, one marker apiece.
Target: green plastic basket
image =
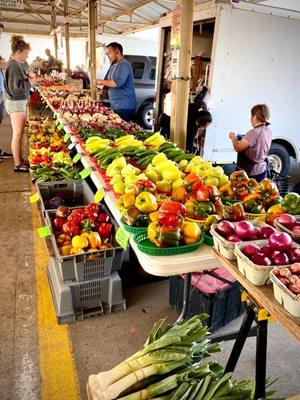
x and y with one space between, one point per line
134 230
207 239
144 245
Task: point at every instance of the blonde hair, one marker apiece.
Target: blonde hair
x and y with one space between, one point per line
18 44
262 112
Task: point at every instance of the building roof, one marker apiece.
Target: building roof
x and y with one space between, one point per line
114 16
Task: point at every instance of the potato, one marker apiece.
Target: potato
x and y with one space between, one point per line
295 268
294 289
284 272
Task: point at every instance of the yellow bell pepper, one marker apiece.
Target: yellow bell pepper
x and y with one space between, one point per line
95 240
76 250
146 202
152 230
80 242
191 232
190 207
153 216
65 250
274 209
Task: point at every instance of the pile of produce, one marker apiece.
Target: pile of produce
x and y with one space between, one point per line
279 250
264 196
170 229
80 230
49 157
171 365
243 231
290 277
238 187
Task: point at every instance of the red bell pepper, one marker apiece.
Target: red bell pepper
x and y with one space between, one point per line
102 217
59 222
145 185
203 194
71 228
173 207
104 230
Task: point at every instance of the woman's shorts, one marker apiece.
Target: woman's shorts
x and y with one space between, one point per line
15 106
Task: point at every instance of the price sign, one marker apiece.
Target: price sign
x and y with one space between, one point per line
44 231
99 195
86 172
34 197
66 137
77 157
122 237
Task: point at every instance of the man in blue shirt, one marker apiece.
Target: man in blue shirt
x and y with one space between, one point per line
3 154
120 83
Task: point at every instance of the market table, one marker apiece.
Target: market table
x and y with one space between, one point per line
261 306
260 300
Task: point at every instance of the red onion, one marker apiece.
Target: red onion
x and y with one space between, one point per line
251 249
234 238
267 231
225 228
279 258
294 254
287 220
267 250
261 259
296 229
280 241
245 230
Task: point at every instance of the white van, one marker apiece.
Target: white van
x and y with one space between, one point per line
251 55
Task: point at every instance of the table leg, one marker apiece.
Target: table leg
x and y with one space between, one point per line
261 359
186 297
240 340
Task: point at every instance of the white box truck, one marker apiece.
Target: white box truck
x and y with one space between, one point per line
251 55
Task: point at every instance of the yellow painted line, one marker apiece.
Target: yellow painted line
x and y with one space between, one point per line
59 379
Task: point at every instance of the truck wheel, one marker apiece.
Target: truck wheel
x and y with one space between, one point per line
146 116
279 159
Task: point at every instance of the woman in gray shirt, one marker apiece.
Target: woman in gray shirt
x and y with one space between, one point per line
254 147
16 89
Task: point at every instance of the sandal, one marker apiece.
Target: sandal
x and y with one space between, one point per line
21 168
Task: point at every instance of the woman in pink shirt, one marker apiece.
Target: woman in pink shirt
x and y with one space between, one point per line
254 147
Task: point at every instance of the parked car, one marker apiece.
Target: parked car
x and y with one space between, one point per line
144 69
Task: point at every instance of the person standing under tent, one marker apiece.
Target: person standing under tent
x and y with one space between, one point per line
17 86
3 154
254 147
120 83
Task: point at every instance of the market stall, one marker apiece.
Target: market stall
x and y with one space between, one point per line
183 201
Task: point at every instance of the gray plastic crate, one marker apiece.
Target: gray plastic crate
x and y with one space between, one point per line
78 300
86 266
77 193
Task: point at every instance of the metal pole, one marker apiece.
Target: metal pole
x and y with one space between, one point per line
186 297
92 45
261 359
240 341
180 87
54 26
67 37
